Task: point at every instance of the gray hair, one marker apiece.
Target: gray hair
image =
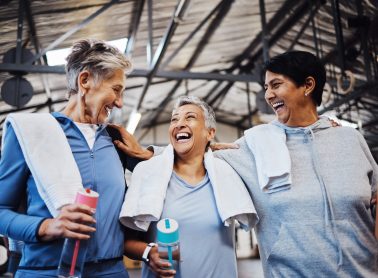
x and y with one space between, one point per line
210 121
96 56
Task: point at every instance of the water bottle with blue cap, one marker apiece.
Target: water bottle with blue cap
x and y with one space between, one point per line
168 242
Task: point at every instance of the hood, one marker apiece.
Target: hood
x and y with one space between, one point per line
322 123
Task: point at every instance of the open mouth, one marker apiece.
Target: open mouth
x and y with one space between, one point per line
108 110
278 105
183 137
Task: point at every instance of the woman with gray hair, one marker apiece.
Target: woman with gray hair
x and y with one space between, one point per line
96 81
202 193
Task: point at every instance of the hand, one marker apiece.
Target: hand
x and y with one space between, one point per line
334 123
130 145
72 222
159 266
223 146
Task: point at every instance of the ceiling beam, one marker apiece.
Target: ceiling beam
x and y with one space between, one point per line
357 93
174 75
222 12
47 103
73 30
191 35
163 45
134 26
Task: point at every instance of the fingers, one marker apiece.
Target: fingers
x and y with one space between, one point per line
72 222
160 267
223 146
120 145
77 213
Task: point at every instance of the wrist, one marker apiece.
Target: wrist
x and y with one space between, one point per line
147 252
146 154
41 230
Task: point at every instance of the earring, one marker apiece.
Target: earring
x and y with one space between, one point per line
81 94
306 94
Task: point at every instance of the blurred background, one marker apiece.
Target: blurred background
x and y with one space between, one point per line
213 49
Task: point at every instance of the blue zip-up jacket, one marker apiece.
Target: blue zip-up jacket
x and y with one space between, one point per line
101 170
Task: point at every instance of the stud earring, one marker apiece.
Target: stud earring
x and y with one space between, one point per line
81 94
306 94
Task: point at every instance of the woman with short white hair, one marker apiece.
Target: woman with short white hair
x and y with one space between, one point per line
96 81
196 188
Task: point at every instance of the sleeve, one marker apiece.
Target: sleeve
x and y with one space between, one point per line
374 173
127 161
226 154
14 173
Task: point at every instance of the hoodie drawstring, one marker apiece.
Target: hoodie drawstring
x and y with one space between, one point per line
329 215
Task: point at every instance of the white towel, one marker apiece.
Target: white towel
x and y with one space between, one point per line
267 142
145 196
49 158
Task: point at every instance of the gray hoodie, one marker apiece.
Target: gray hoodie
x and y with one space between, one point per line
322 226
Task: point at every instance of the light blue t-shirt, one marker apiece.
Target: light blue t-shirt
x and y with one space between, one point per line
206 245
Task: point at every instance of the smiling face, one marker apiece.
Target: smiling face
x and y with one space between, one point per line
291 104
188 132
102 97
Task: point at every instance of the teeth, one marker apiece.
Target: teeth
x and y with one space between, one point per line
108 110
277 104
182 135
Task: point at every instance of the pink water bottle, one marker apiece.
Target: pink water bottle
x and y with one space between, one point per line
74 251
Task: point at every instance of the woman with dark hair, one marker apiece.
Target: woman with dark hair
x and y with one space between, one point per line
312 184
315 215
96 81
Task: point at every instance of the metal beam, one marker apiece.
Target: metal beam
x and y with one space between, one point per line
180 75
303 28
220 93
339 33
279 16
7 67
333 53
264 31
200 47
32 106
138 8
191 35
20 27
297 15
35 41
72 31
358 92
174 75
160 51
150 44
32 30
363 31
315 36
299 12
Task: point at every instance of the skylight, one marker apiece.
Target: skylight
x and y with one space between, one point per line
57 57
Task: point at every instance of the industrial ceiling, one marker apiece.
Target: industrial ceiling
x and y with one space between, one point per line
213 49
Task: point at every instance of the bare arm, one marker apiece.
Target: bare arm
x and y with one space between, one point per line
134 246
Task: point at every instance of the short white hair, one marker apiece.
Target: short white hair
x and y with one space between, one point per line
96 56
210 121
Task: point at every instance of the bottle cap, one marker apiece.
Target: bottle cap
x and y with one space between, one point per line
167 231
87 197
